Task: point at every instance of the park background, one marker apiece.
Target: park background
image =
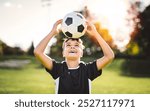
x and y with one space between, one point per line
124 25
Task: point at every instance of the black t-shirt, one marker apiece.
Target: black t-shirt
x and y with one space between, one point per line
74 81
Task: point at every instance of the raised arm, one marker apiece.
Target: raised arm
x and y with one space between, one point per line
39 50
107 51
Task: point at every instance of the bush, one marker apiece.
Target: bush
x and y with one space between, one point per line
136 67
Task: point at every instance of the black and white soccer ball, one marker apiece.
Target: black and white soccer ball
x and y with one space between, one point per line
73 25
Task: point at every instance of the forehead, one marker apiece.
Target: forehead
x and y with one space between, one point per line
72 41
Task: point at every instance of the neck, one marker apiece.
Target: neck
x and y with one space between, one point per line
72 63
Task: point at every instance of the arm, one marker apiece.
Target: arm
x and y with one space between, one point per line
39 50
107 51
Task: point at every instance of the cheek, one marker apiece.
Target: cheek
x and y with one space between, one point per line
81 53
64 52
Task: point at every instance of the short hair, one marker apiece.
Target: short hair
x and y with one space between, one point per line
73 39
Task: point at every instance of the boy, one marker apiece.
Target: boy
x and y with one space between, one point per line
73 76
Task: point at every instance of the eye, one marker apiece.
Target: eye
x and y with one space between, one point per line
68 45
76 45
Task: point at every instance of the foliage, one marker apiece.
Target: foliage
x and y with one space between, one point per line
143 37
136 67
139 47
140 41
31 49
56 49
133 48
7 50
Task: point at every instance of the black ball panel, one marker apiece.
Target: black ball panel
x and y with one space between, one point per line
69 21
80 28
68 34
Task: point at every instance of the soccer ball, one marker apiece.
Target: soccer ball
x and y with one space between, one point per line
73 25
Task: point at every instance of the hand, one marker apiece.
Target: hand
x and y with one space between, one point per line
56 29
91 29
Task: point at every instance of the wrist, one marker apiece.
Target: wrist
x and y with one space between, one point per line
52 33
96 34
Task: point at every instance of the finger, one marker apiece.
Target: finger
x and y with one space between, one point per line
87 23
59 21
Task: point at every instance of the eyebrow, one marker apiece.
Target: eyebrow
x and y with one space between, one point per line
67 43
76 43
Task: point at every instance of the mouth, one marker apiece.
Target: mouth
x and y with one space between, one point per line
72 52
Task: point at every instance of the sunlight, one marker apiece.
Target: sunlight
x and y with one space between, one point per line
23 20
7 4
112 15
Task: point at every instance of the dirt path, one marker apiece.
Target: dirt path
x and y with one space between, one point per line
14 63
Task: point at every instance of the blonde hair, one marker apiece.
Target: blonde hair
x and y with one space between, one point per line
73 39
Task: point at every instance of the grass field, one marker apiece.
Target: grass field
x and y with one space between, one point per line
33 79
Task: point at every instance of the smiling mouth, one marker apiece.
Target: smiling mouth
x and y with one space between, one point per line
72 52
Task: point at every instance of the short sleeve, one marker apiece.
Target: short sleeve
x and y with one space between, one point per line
92 70
54 72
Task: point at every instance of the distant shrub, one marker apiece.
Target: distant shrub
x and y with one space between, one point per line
136 67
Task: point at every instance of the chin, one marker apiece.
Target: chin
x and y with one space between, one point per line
73 57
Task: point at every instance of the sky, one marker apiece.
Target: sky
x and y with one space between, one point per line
24 21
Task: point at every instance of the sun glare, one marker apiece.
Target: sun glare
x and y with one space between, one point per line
112 14
7 4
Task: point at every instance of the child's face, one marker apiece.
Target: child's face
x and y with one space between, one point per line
72 49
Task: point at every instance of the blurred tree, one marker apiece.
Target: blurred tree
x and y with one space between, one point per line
56 48
1 48
7 50
133 48
139 45
140 40
90 47
30 50
143 36
104 33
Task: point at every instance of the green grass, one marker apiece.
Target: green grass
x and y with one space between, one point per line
33 79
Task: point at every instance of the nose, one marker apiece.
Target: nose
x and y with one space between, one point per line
72 47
